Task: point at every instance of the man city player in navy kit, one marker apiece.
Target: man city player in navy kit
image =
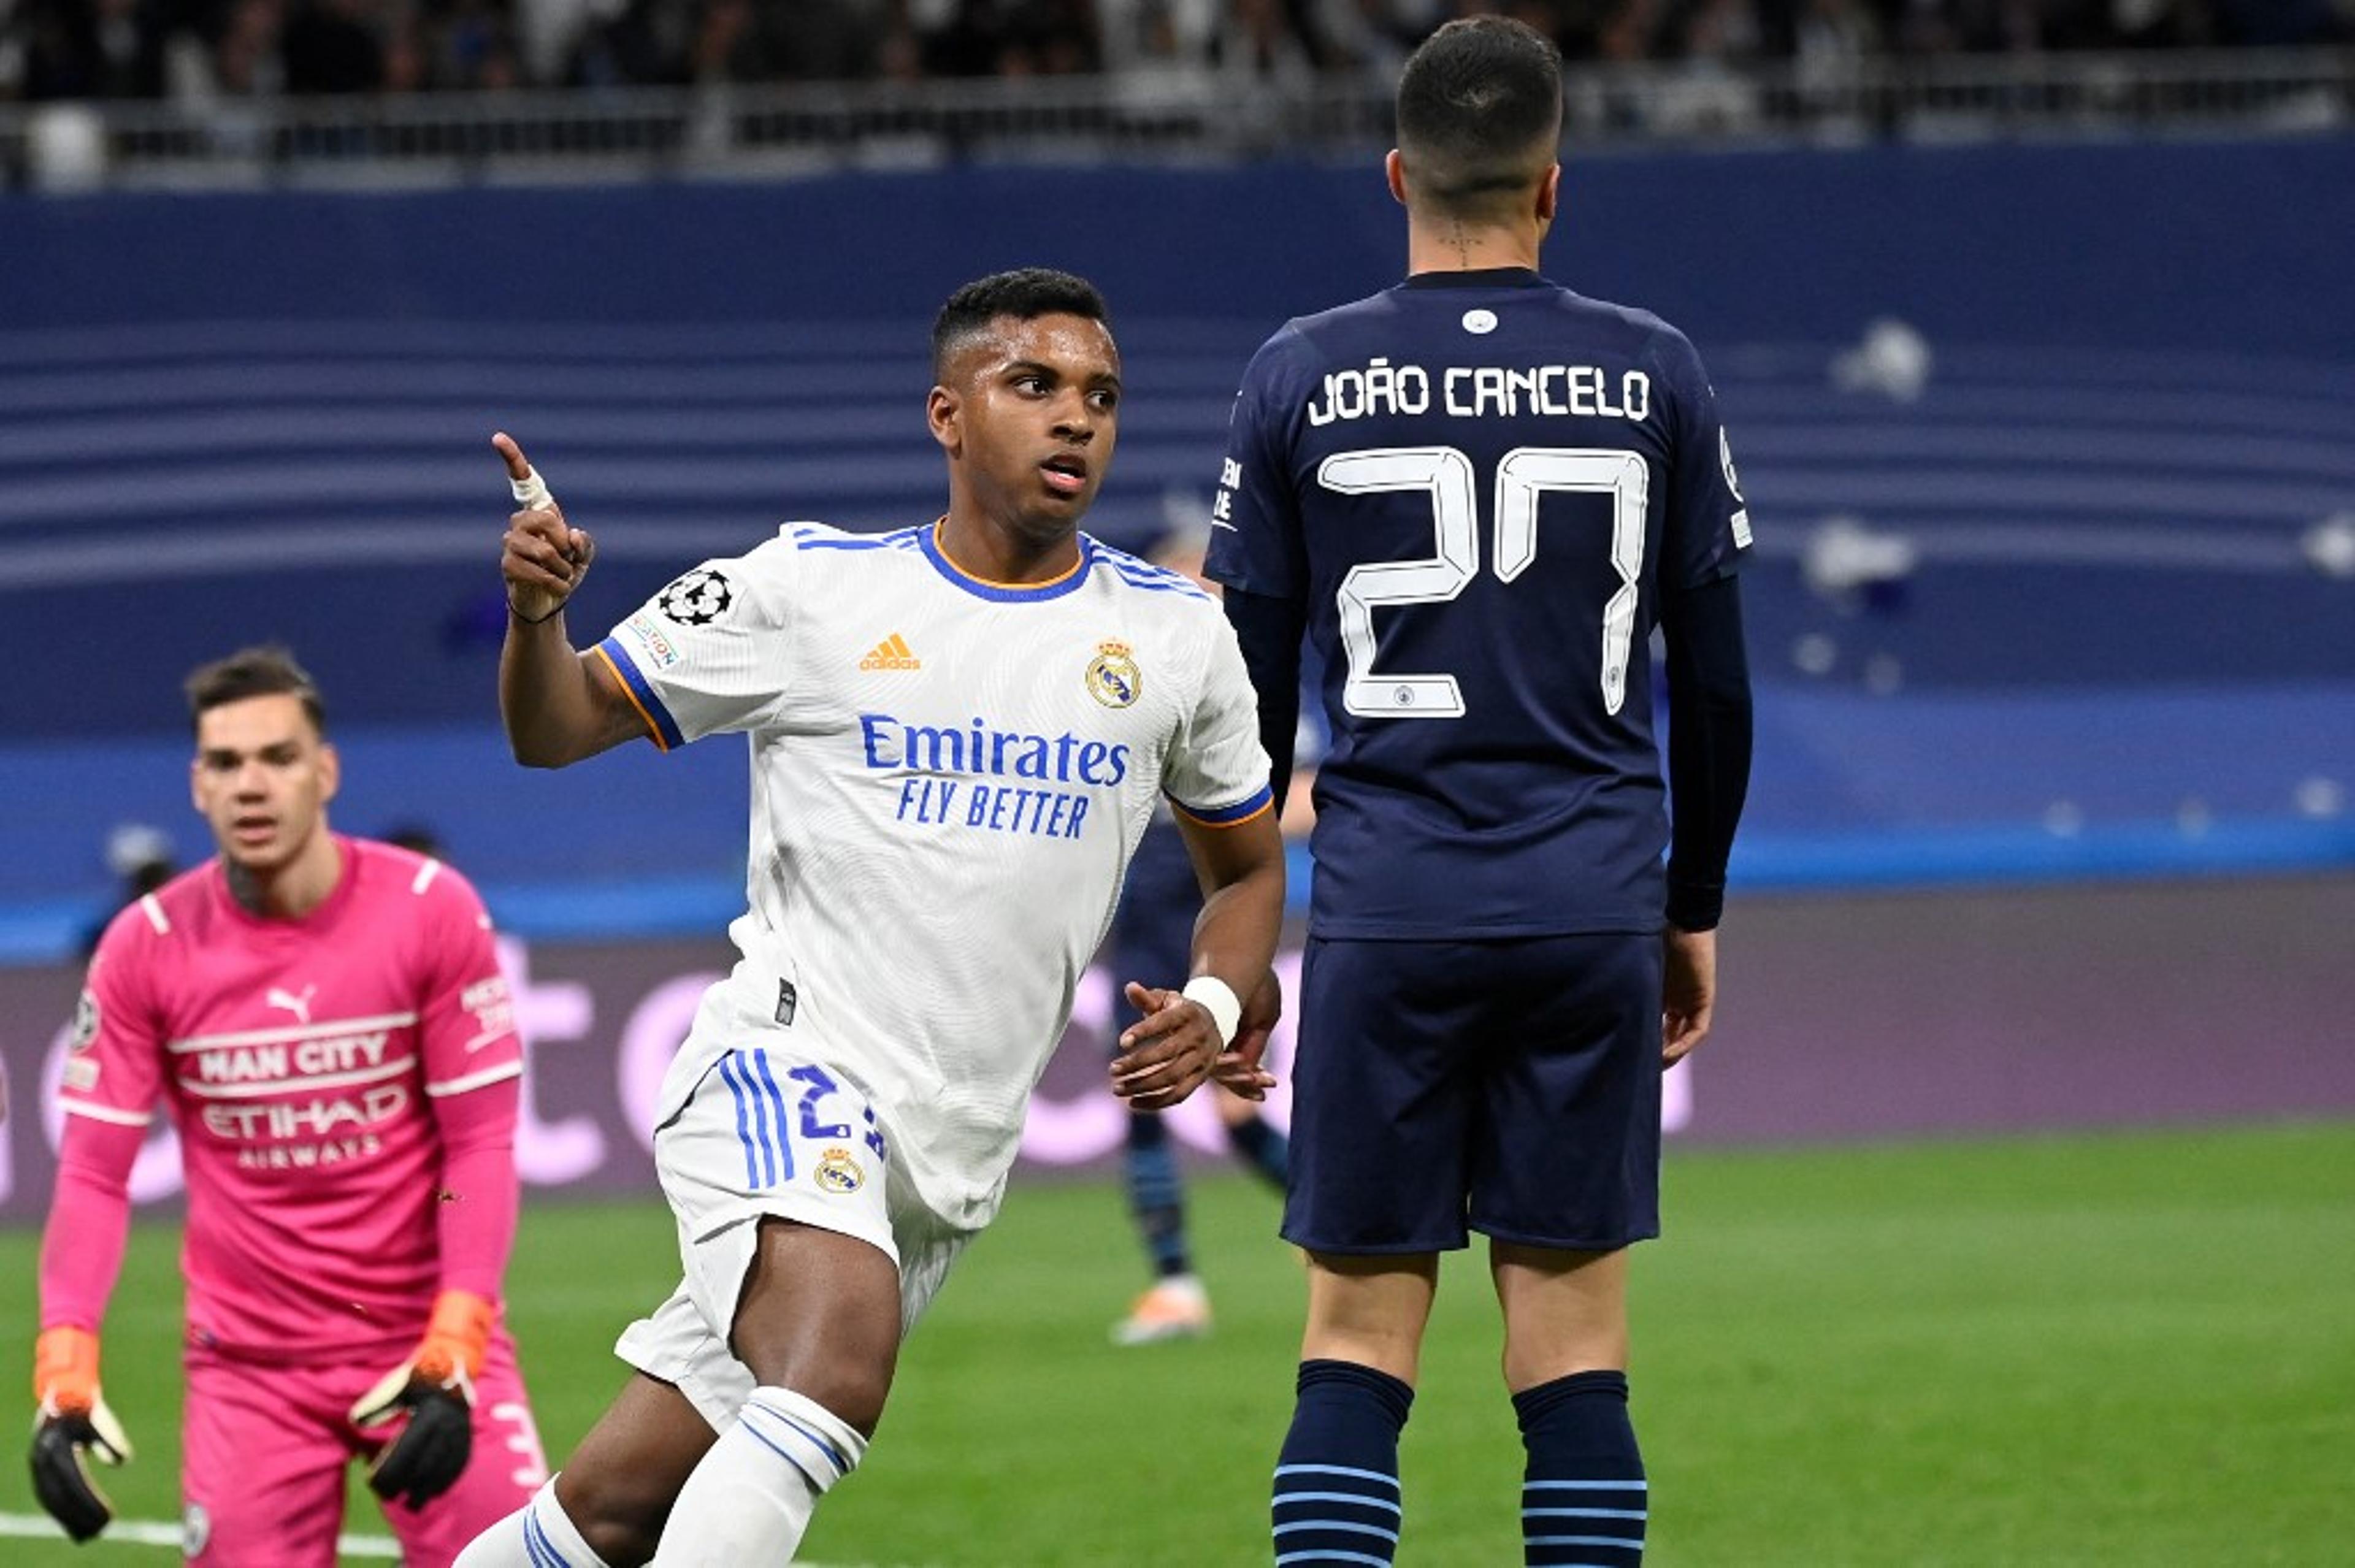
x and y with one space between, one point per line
1477 493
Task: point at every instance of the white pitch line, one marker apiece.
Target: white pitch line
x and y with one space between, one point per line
155 1532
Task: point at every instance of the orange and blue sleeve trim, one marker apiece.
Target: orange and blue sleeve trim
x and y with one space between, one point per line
660 725
1234 816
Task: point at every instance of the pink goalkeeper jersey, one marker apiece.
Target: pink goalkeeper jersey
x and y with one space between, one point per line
300 1060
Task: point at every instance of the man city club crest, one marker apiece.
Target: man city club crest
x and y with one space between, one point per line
195 1530
837 1172
697 599
1113 677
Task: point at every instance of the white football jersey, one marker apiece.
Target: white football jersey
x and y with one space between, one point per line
949 776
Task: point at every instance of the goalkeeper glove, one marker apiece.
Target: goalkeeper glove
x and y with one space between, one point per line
435 1390
73 1427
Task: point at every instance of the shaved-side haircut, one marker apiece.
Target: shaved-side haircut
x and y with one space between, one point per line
1479 116
1024 293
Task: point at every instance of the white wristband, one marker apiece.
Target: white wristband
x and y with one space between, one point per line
531 491
1219 999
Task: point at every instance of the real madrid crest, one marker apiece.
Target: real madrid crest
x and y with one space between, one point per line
837 1172
1112 676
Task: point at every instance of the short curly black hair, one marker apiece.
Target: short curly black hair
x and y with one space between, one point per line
1025 294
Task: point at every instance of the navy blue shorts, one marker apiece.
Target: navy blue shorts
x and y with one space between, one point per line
1508 1087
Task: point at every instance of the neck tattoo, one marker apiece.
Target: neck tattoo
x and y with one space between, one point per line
1461 240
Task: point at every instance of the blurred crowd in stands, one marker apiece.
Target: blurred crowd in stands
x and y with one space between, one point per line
193 49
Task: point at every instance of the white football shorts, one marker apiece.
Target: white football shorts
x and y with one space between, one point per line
768 1130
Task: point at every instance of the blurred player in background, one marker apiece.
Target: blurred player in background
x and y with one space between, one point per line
958 732
1478 493
325 1021
142 859
1151 933
417 839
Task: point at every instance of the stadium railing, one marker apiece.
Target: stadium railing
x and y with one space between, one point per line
781 129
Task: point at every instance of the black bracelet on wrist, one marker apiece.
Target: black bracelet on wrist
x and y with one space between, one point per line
522 620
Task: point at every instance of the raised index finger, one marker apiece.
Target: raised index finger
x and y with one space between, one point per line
518 467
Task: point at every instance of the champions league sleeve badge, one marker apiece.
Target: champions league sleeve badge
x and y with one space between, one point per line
84 1033
1113 677
697 599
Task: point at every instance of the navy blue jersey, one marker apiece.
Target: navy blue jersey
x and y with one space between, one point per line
1151 936
1477 486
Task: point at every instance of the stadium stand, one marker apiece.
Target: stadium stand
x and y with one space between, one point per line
191 49
2057 558
2037 376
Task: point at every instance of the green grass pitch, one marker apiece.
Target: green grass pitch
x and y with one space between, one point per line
2127 1349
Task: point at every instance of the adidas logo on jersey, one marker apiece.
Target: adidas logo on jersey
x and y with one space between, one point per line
891 652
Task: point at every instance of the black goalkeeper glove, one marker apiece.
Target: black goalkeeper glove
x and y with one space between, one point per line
435 1390
428 1454
73 1427
63 1447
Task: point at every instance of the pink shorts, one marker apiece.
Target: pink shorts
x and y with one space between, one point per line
266 1449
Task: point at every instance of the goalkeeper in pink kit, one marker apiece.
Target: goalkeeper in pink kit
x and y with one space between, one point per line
323 1019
